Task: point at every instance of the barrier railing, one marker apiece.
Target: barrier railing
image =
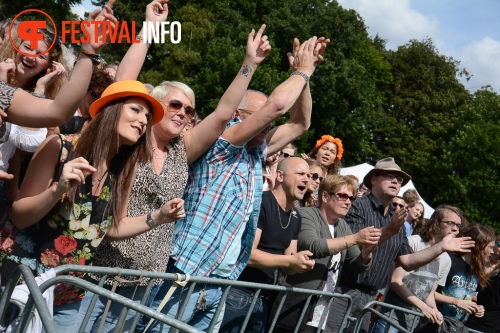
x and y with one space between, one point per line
37 301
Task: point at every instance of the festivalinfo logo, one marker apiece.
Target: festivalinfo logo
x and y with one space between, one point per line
76 32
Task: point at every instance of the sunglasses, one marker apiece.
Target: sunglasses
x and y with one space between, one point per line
51 36
398 205
175 106
286 155
95 95
345 196
315 176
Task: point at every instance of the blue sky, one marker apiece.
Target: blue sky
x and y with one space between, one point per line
467 30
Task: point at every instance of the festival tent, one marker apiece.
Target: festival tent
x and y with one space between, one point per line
361 170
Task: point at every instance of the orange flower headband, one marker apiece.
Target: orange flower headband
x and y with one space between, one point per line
337 141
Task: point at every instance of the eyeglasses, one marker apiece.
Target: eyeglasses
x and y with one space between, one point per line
94 94
175 106
391 177
345 196
451 224
315 176
398 205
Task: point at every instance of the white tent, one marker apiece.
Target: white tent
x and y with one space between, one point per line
361 170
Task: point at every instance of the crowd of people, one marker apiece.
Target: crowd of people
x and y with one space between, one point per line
100 169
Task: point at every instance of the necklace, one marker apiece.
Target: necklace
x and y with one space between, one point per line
279 214
164 157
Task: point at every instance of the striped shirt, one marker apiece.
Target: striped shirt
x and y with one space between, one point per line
222 204
369 211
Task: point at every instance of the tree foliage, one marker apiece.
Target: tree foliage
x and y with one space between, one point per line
407 103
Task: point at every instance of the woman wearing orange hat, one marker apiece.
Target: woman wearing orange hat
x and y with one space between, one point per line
328 152
76 189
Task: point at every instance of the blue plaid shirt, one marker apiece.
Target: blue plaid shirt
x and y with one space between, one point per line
223 185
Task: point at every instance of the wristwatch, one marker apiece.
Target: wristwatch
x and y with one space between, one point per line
151 223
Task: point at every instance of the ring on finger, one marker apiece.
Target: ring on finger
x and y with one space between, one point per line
72 170
6 61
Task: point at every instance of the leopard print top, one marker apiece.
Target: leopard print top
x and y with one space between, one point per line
6 95
149 251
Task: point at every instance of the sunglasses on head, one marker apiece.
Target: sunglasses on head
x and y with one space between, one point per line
315 176
345 196
175 106
50 36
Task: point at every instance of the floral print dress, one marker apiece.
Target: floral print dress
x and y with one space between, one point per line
68 234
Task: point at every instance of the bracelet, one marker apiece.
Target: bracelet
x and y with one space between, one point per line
304 75
96 58
151 223
345 241
38 95
455 301
139 37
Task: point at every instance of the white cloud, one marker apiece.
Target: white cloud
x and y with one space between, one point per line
78 10
394 20
482 59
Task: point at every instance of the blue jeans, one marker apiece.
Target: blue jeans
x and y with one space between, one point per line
64 316
198 318
114 311
379 326
237 305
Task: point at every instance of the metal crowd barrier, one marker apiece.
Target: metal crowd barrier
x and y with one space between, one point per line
37 301
372 309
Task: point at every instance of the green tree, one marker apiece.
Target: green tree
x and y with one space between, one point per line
422 113
471 161
58 10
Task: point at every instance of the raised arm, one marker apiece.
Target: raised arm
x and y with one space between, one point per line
132 62
449 244
27 110
281 99
300 114
211 127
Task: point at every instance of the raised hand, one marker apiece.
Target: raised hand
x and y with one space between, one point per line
460 244
7 67
73 174
398 220
257 48
157 11
320 47
50 76
368 236
172 211
106 14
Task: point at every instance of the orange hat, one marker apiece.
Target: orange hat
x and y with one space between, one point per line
128 88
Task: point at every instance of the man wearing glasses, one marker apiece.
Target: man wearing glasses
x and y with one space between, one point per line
376 209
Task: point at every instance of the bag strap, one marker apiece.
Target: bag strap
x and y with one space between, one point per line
177 282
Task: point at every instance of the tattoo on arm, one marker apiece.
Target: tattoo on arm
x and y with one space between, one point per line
245 70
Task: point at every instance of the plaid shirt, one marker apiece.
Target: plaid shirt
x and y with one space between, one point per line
223 185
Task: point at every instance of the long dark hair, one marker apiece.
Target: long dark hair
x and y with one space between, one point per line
432 228
482 235
100 136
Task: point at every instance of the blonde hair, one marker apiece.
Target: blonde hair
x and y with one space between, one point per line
55 54
333 183
164 88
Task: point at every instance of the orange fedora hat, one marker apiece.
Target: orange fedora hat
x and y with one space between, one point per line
127 88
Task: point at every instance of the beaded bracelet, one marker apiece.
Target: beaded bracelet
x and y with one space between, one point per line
151 223
96 58
38 95
345 241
